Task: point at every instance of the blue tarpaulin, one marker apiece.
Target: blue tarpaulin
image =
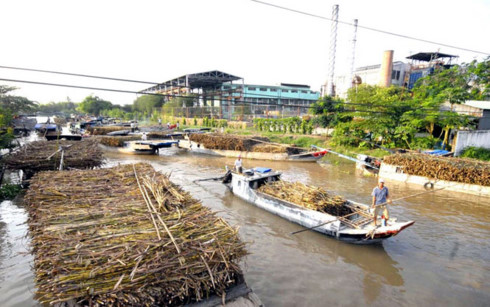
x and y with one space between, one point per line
437 152
262 170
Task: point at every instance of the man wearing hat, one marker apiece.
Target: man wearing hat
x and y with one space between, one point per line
380 196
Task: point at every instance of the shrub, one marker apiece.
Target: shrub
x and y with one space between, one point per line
479 153
9 191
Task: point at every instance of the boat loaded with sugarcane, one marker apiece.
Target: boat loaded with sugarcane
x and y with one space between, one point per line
311 207
259 148
146 147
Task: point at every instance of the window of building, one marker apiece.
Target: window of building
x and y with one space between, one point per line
304 92
285 91
263 89
251 88
294 91
272 90
395 75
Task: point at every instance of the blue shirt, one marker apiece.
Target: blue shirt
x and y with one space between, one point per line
380 195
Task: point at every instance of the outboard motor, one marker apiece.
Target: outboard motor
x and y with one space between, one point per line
227 177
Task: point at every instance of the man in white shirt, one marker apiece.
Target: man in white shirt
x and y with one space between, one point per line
238 164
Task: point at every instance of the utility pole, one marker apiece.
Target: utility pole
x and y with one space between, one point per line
333 48
354 39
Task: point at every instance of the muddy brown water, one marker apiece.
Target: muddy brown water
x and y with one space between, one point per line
444 259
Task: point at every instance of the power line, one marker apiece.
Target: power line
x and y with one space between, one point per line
369 28
82 87
77 75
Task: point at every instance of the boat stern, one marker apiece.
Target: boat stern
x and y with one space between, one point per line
371 234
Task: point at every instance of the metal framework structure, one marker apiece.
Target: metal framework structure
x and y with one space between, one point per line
333 50
353 58
206 83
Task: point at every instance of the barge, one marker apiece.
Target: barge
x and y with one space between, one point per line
306 156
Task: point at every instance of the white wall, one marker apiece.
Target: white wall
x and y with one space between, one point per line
478 138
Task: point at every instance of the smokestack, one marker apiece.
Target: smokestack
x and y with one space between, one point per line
386 69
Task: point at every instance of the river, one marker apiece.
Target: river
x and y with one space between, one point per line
443 259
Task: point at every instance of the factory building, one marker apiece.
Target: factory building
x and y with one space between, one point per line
219 89
394 73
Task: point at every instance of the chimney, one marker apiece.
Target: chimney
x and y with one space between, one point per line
386 69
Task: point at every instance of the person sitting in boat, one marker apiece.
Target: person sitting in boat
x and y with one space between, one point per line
381 197
144 137
238 164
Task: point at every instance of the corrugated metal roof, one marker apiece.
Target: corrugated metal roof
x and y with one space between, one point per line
480 104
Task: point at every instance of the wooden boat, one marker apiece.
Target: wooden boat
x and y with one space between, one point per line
146 147
68 137
356 227
368 164
307 156
119 133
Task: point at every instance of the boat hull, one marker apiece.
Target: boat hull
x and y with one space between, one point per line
145 147
303 157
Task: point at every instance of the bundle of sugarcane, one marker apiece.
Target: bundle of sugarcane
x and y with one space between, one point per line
313 198
45 155
103 130
126 236
443 168
228 142
269 148
116 141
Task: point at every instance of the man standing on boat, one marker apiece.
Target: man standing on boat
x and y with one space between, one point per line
238 164
381 197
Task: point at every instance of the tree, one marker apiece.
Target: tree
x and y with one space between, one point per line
377 112
14 104
479 76
9 106
147 103
65 107
454 85
328 111
94 105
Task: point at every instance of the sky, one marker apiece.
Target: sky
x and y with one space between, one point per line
155 41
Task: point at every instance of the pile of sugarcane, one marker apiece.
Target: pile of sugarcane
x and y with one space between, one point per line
240 143
103 130
223 141
117 141
46 155
126 236
443 168
272 148
310 197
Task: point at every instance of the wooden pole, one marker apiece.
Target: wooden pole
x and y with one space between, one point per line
310 228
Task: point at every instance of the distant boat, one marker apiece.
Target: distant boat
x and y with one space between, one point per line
45 127
304 156
119 133
145 147
68 137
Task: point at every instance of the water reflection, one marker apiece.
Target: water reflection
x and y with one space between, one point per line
378 268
